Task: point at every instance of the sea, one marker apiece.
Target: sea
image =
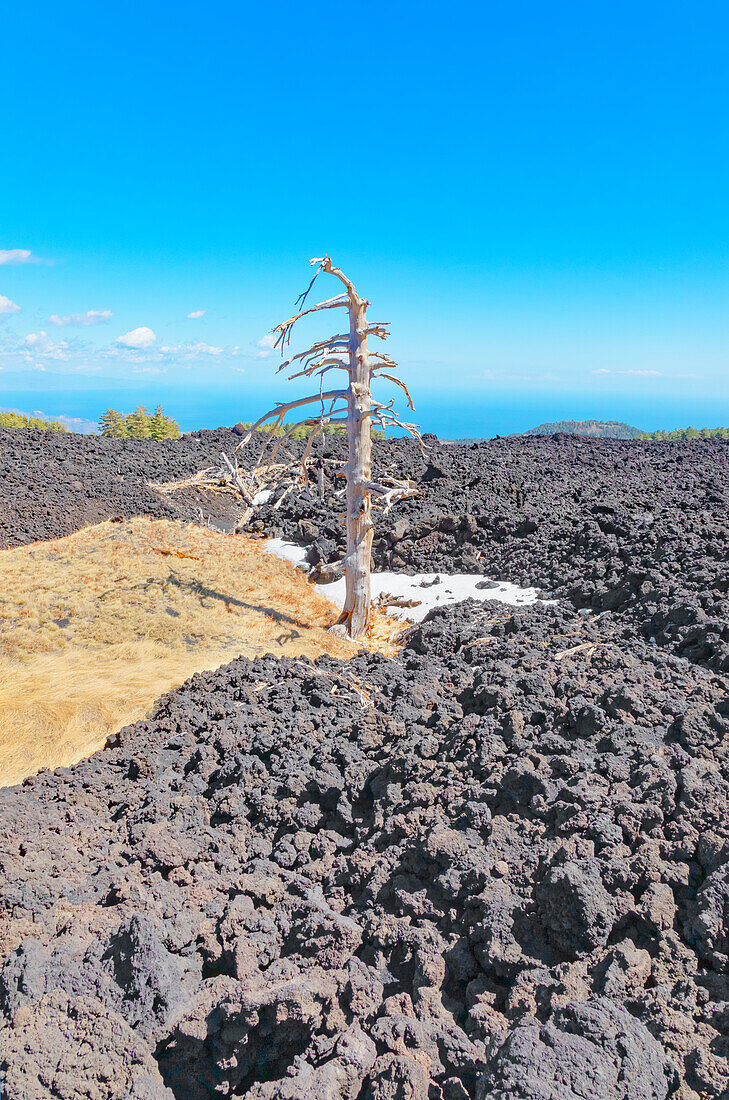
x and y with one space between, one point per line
448 414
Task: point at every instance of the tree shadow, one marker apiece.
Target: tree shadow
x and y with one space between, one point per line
202 590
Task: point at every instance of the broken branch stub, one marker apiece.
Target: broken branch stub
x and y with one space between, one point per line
359 413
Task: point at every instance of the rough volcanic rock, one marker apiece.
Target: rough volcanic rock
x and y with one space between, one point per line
638 529
576 910
594 1048
622 526
492 867
52 486
76 1047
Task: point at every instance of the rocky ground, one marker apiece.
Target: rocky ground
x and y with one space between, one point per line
636 528
641 529
494 867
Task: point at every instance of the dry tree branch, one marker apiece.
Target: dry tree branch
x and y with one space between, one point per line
400 383
320 366
347 351
201 479
284 329
283 407
399 489
385 418
302 297
340 341
326 265
586 647
379 330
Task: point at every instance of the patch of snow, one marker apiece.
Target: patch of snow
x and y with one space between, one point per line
429 589
289 551
262 498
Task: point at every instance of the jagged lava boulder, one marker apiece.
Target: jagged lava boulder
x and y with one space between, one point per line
487 868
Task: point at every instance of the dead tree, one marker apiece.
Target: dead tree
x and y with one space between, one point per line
353 407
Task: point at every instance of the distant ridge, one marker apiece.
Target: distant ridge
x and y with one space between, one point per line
600 429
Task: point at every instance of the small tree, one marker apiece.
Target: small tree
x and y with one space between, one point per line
113 424
162 426
138 423
352 407
19 420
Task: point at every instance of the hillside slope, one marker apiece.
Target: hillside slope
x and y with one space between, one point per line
598 429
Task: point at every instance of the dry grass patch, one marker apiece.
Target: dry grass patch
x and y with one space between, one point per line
96 626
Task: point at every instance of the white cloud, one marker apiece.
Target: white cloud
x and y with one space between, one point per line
604 370
6 306
30 352
91 317
196 313
266 344
144 350
44 346
16 256
142 337
20 256
135 352
191 351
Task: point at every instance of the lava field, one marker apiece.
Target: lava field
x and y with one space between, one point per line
639 529
494 867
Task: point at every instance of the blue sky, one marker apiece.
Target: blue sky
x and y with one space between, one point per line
534 195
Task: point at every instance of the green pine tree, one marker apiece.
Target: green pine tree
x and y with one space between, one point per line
113 424
19 420
138 423
162 426
683 435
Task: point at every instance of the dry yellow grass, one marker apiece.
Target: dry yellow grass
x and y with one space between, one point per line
96 626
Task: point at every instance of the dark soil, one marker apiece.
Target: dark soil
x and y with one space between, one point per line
495 867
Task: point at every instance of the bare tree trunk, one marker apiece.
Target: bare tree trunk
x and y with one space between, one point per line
358 414
360 529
